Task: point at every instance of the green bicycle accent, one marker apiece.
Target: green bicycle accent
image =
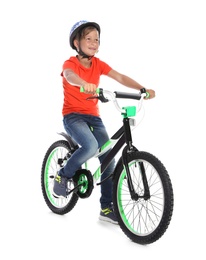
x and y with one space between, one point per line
83 182
119 199
97 174
105 145
86 165
82 90
46 176
130 111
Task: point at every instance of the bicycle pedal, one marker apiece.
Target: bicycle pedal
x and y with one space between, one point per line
59 197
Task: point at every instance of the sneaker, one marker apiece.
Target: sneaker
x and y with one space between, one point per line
60 186
108 215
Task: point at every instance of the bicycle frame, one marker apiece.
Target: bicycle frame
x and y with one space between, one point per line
121 137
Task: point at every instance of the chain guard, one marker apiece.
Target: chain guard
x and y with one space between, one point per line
83 178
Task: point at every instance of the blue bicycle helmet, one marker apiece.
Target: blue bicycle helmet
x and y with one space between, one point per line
78 27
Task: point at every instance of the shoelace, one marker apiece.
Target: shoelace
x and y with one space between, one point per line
61 180
106 211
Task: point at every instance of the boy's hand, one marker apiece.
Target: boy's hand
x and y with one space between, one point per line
151 93
90 88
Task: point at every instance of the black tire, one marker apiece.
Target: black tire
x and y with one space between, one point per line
55 158
143 221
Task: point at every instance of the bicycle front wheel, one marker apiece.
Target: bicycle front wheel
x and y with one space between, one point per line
143 219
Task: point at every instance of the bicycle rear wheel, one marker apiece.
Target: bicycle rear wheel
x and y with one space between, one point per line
55 158
143 220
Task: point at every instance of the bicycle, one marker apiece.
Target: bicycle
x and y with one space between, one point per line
142 190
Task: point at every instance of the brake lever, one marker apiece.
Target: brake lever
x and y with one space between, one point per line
101 97
92 97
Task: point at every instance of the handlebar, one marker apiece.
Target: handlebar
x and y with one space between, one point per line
116 94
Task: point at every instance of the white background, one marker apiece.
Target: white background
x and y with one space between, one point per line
161 44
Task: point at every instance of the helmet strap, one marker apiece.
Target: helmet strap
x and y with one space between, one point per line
84 56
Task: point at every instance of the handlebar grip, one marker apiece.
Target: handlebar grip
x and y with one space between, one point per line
82 90
147 95
127 95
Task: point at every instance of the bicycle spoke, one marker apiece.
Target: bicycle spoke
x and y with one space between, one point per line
142 216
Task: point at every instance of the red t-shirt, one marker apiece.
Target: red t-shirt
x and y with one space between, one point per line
74 100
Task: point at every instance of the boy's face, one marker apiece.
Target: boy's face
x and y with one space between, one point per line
89 43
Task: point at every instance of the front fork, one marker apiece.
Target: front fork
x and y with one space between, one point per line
134 195
129 148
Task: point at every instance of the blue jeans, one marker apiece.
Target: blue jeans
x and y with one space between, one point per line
78 126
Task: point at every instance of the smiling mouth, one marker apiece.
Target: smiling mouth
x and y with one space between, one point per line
92 49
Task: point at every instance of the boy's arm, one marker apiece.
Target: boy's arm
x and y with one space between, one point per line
73 79
128 82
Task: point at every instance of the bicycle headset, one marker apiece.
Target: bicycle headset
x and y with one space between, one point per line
77 29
